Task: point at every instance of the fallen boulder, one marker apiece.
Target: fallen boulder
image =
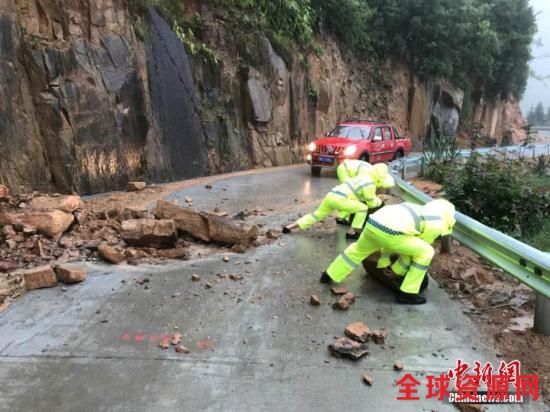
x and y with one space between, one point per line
110 254
175 253
205 226
39 277
149 232
135 186
52 223
69 275
67 204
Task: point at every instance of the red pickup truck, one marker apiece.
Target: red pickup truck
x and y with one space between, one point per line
371 141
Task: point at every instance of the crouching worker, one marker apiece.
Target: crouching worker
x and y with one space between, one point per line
356 196
347 170
405 229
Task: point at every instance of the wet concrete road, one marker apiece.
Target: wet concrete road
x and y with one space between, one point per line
256 344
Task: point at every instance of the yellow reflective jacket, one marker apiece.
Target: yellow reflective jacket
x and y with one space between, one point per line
426 222
360 188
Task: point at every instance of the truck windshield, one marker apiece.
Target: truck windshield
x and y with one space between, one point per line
350 132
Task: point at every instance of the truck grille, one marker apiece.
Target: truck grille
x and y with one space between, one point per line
329 149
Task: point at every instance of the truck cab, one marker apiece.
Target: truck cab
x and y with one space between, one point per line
371 141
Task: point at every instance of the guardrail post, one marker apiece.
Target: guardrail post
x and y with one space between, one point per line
445 244
542 315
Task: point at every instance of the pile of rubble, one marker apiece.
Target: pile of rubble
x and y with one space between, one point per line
41 233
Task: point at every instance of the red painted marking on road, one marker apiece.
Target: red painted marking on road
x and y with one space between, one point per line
156 338
206 344
139 337
126 336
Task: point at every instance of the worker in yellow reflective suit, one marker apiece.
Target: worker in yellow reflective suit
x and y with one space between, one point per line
345 171
350 168
406 229
356 196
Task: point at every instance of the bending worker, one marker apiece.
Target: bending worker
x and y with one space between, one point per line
350 168
345 171
356 196
406 229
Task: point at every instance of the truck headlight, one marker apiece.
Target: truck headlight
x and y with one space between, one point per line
350 150
312 147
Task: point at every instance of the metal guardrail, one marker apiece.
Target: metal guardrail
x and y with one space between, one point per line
527 264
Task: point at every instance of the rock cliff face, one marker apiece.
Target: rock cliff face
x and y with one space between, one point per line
85 106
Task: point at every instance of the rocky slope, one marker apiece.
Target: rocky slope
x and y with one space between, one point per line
86 106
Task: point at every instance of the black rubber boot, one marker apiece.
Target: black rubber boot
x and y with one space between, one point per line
353 235
410 298
343 222
326 279
286 229
424 284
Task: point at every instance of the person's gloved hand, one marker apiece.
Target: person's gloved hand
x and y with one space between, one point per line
380 206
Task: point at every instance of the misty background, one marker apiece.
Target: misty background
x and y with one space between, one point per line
538 90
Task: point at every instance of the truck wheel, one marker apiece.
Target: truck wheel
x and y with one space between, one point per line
364 157
316 171
398 155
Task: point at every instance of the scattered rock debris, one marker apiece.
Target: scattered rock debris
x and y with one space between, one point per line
345 301
347 348
469 407
358 331
338 290
314 300
379 336
142 280
181 349
369 380
398 366
176 338
195 277
164 344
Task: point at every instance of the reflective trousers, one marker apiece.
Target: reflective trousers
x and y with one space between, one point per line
414 260
332 202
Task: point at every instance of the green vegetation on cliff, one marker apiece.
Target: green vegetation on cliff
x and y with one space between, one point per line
476 44
481 45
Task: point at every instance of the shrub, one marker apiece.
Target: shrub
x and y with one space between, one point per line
500 194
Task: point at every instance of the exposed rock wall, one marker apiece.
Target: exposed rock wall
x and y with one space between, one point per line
85 106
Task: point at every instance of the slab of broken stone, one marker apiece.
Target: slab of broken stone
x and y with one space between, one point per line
67 204
52 223
157 233
110 254
347 348
205 226
69 275
344 302
39 277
